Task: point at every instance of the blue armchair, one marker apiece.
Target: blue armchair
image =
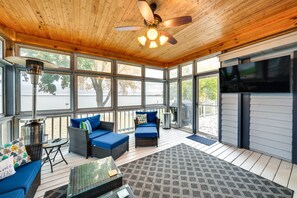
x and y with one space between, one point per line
152 120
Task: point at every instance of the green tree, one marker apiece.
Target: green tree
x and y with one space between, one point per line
47 85
187 90
208 89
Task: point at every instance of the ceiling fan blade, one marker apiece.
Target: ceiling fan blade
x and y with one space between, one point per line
177 21
128 28
171 39
146 11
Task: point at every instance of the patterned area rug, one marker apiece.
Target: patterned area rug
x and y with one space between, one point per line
183 171
201 140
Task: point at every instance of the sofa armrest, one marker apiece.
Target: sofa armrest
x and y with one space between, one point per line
77 133
158 126
34 151
136 122
106 125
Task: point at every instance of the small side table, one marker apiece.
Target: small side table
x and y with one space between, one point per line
53 147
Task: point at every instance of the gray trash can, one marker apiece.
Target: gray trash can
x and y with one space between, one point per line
166 120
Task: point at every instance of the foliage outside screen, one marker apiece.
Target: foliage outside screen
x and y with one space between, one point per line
97 88
60 60
93 65
208 89
128 70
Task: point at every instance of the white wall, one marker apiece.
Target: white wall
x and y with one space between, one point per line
229 123
271 124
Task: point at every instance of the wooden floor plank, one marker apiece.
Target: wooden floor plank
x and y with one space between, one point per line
233 155
260 164
242 158
226 153
213 149
271 168
293 180
249 163
283 173
220 150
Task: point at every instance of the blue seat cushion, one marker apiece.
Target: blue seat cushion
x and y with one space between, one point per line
94 121
98 133
22 179
110 140
147 125
146 132
19 193
151 115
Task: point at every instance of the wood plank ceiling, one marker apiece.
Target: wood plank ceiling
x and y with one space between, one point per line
217 25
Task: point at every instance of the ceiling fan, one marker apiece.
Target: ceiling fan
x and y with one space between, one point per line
154 22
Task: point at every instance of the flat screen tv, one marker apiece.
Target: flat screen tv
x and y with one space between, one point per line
267 76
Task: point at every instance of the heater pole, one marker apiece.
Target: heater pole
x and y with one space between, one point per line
34 80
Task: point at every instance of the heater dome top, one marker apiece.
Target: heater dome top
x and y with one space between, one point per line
21 60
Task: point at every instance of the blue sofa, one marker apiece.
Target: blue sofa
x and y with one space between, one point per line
25 181
102 142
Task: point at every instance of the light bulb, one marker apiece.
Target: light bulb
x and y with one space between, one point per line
142 40
153 44
163 39
152 34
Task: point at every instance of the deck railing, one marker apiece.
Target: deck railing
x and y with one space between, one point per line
56 125
5 130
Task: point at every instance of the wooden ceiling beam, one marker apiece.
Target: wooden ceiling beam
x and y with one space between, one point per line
58 45
7 33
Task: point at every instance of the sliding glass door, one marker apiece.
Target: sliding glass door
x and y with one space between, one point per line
187 103
207 119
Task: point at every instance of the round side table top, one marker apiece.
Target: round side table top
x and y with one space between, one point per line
52 143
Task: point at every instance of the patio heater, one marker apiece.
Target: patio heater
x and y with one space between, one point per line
33 129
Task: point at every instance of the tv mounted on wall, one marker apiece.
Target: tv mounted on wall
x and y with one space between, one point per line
267 76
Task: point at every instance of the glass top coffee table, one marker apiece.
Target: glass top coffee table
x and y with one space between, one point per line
93 179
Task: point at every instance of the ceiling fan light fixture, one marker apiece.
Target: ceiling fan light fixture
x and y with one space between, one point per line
152 34
163 39
153 44
142 40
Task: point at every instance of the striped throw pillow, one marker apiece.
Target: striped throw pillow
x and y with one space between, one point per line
86 126
142 118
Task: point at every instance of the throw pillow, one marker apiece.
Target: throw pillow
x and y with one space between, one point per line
142 118
16 149
86 126
6 168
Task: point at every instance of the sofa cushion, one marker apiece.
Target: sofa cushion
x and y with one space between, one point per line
98 133
19 193
94 121
110 140
23 178
16 149
147 125
151 115
146 132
